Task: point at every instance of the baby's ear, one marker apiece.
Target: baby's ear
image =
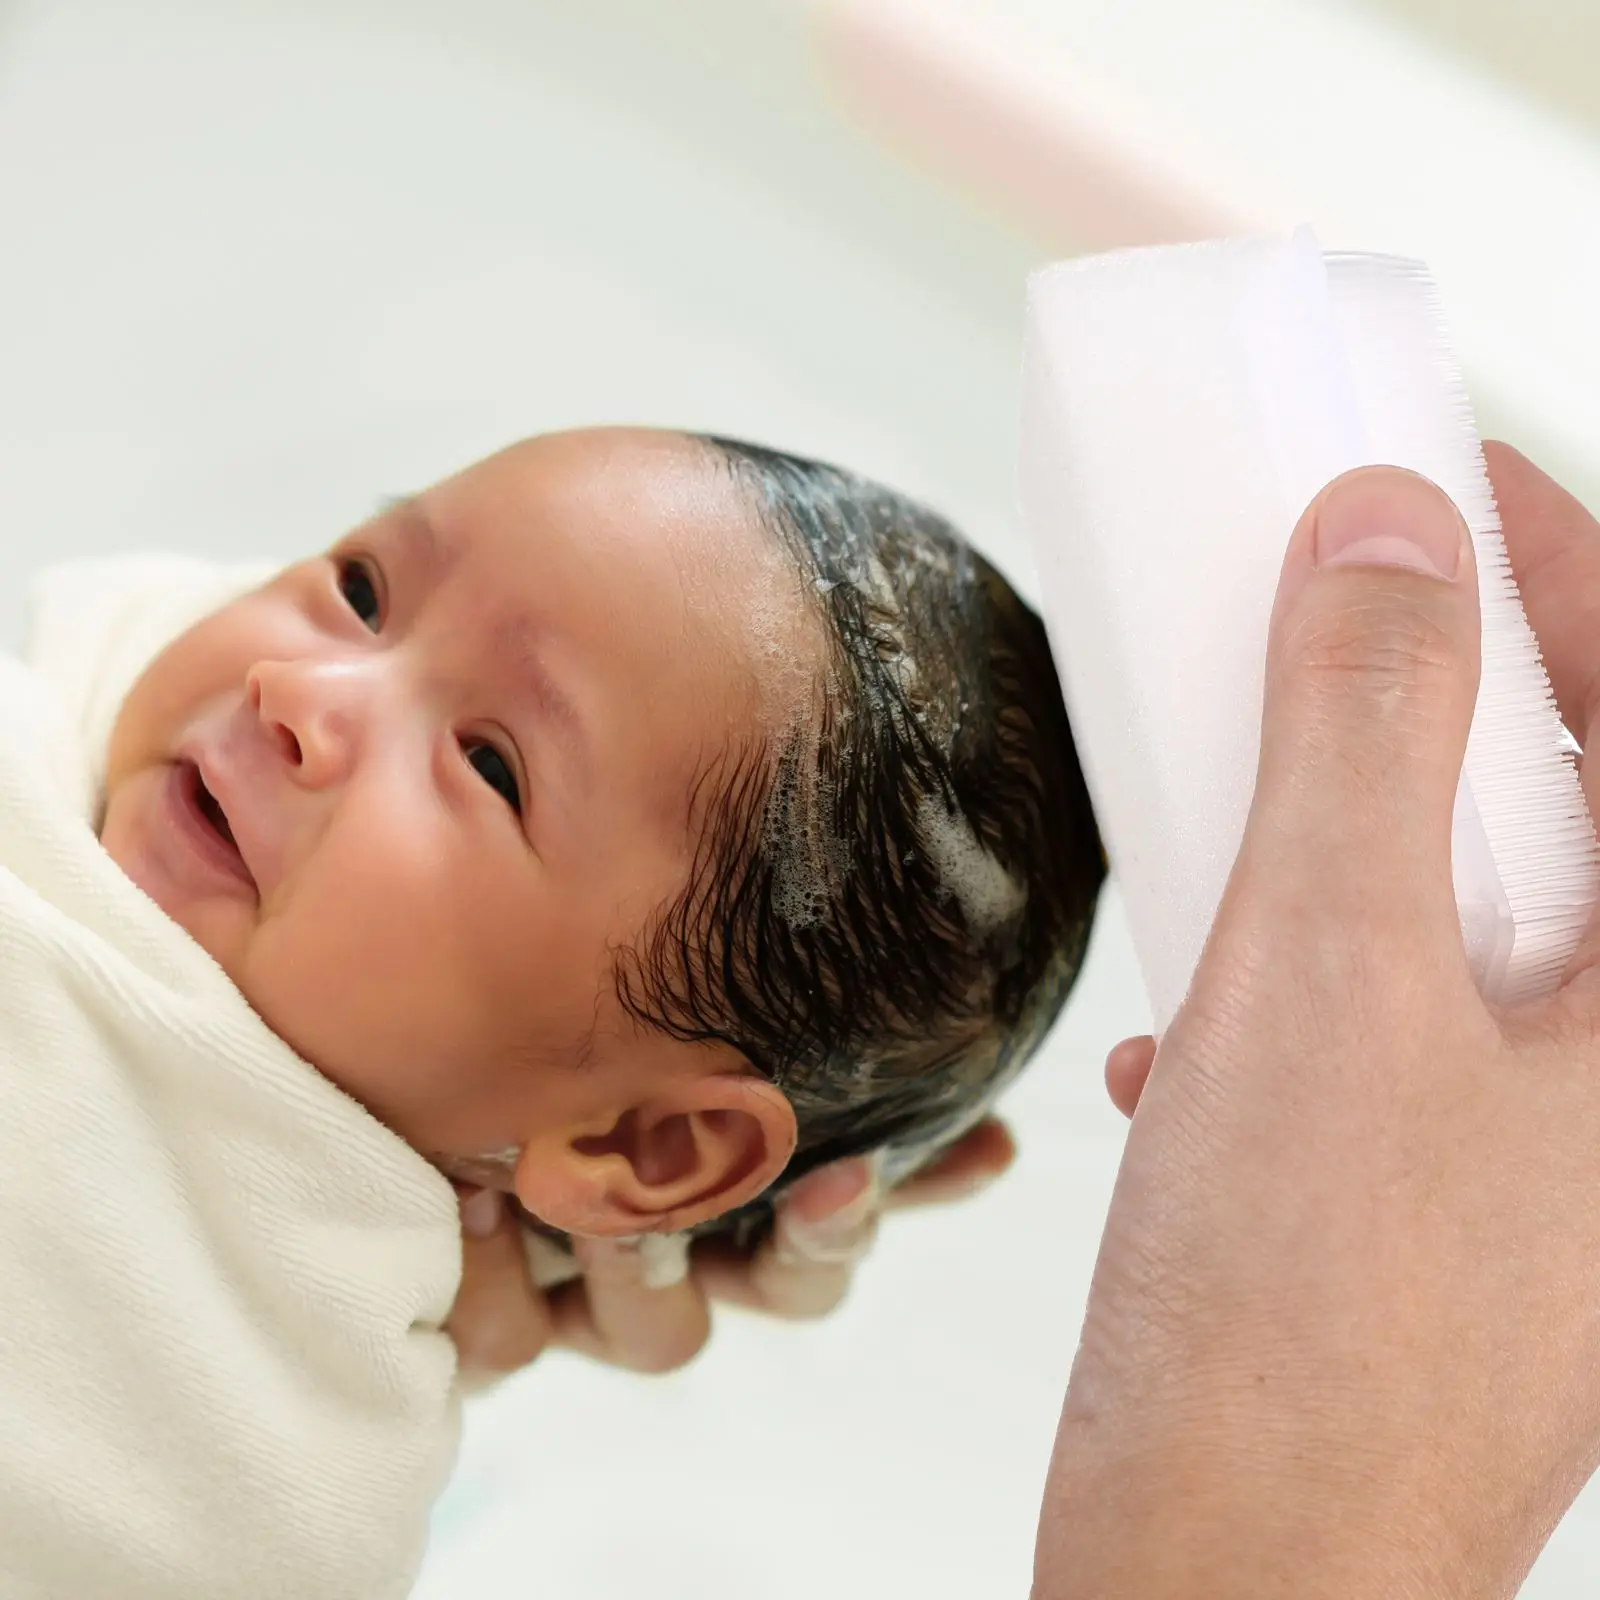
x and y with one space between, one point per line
698 1148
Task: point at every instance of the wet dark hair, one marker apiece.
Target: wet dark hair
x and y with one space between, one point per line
891 900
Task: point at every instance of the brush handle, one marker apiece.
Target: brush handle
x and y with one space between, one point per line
1182 406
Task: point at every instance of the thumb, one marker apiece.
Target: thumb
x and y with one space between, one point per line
1372 674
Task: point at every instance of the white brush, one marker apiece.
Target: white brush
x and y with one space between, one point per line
1182 406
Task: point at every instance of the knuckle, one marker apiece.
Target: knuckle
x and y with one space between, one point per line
825 1247
499 1347
1358 695
658 1363
814 1307
1384 655
672 1350
805 1296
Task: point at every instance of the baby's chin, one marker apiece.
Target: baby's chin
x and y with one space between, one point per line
221 928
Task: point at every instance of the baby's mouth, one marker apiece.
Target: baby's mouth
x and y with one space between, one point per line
208 813
211 811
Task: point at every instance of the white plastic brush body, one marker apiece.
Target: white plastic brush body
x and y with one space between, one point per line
1182 407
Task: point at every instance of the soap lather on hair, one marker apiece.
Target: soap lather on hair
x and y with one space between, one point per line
888 910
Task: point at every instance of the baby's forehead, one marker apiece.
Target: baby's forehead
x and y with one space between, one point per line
650 526
622 499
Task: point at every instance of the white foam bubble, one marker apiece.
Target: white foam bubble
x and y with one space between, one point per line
988 895
810 859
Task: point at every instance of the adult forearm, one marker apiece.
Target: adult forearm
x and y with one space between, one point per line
1192 1522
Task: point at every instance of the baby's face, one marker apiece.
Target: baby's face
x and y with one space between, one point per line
455 756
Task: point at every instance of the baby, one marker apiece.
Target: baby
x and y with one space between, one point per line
627 822
674 814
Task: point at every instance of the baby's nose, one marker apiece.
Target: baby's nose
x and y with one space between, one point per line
312 712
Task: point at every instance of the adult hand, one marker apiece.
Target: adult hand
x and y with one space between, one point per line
1342 1334
825 1225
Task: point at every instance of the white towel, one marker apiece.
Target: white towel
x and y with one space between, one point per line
222 1283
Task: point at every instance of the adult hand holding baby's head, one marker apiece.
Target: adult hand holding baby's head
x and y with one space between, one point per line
825 1225
1342 1332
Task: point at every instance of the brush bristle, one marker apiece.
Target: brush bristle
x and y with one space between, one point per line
1518 761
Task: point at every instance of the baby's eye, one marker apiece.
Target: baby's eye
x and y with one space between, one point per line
360 592
495 771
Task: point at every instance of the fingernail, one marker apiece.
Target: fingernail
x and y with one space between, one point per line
831 1217
1386 517
839 1195
480 1213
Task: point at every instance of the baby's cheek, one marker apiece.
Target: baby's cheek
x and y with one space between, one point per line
356 970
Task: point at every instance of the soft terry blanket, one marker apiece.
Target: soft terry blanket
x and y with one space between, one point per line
222 1370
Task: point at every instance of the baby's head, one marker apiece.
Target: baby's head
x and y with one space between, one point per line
669 811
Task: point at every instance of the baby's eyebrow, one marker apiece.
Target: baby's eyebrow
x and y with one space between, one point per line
517 642
424 545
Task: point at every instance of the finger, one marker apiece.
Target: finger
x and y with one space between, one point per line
763 1282
824 1226
624 1313
1128 1070
1371 678
971 1164
1554 546
500 1321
